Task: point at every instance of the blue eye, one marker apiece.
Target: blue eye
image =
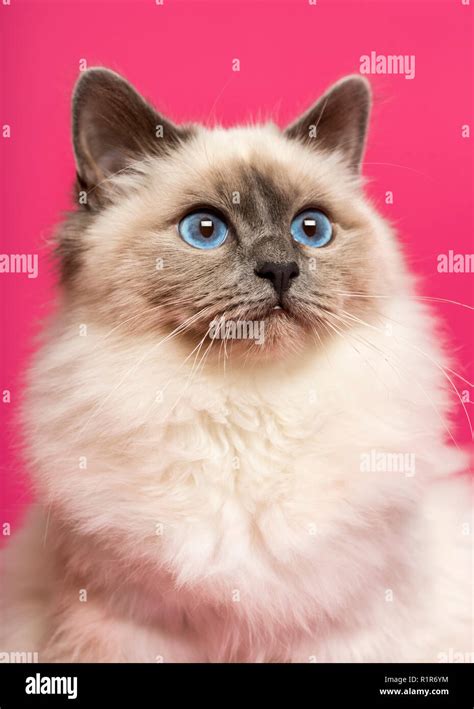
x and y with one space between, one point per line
312 228
203 230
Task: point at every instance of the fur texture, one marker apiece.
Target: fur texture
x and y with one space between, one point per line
208 501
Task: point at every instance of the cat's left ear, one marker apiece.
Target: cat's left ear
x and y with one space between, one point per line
113 126
337 121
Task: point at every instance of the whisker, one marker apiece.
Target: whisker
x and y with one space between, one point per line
418 349
183 326
415 297
423 390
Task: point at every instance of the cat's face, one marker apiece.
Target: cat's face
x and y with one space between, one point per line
256 238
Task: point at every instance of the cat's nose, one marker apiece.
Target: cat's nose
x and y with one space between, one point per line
280 274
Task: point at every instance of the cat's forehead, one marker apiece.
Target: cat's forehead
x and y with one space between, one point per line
247 172
255 171
235 151
242 141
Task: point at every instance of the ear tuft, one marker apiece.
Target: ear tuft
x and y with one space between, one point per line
338 120
114 126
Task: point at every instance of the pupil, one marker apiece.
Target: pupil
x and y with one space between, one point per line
309 227
206 227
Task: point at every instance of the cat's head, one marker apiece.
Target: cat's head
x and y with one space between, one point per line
259 238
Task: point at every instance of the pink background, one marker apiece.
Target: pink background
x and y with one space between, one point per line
180 56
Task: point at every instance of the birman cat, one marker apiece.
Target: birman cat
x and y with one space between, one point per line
237 425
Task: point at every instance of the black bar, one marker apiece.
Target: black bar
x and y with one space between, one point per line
312 685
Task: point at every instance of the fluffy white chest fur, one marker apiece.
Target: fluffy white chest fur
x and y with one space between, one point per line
291 514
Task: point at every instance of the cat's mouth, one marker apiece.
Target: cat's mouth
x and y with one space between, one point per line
281 309
261 329
255 331
277 312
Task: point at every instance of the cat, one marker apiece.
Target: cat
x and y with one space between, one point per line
287 498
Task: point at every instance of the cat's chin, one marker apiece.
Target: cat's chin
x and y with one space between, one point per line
267 332
275 335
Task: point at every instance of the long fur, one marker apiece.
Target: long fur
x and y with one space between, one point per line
201 505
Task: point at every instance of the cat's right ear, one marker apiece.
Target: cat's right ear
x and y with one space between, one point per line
337 121
112 127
